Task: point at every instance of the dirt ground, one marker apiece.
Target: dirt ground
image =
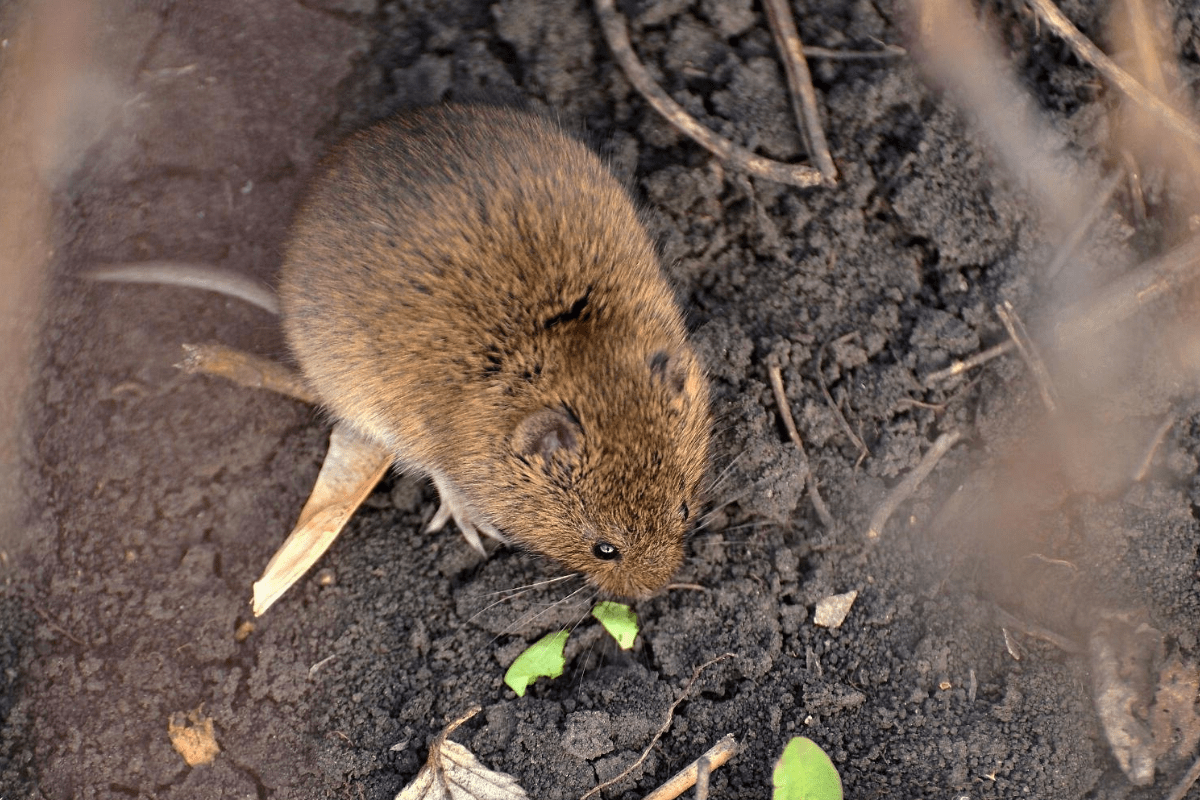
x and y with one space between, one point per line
154 499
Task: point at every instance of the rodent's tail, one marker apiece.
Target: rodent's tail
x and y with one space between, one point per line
193 276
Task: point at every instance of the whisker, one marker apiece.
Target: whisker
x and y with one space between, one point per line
716 482
527 586
528 619
707 516
497 602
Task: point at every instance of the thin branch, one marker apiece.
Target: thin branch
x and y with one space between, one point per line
803 96
54 626
1087 51
1158 277
665 726
1185 783
613 25
1032 629
1140 473
906 487
863 451
1085 223
888 51
959 367
1033 359
785 411
690 775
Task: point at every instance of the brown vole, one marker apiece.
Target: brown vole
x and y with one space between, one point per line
471 287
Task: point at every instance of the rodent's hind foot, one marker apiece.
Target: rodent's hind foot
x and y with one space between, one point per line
453 506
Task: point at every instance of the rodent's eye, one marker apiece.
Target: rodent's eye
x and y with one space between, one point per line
684 511
605 551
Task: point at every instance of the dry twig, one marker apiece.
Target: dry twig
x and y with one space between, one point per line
785 411
1140 473
1164 275
980 358
613 25
54 626
804 98
863 451
1083 47
1185 783
703 773
1036 631
663 729
888 51
1029 352
1155 278
906 487
1085 223
696 773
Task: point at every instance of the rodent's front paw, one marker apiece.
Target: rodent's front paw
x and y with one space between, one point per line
454 506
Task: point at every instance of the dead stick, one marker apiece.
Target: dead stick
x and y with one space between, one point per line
1033 359
683 780
1185 783
1036 631
54 626
1140 473
863 452
703 774
245 369
665 726
888 51
959 367
785 411
804 97
1087 51
1159 277
1071 244
906 487
613 25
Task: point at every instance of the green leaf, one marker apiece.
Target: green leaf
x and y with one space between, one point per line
543 658
619 620
804 772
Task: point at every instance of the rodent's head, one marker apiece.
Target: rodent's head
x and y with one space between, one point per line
607 481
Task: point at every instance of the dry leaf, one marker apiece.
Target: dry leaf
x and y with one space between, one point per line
1173 718
1122 652
452 773
352 467
197 742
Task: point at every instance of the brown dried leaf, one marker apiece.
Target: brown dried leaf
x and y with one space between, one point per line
1122 653
352 467
1174 719
197 742
452 773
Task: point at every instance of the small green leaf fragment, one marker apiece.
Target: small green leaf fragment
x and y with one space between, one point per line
542 659
619 620
804 772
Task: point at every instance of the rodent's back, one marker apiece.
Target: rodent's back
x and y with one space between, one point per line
455 273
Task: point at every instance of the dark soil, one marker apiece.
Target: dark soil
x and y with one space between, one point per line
155 498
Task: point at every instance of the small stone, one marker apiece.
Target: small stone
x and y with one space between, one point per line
831 611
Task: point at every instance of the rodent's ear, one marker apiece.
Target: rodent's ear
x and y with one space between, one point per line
670 370
552 435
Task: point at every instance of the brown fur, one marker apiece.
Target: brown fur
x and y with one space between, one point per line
471 287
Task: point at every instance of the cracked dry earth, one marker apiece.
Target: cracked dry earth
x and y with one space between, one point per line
151 500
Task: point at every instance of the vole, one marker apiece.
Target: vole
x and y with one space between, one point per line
472 288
